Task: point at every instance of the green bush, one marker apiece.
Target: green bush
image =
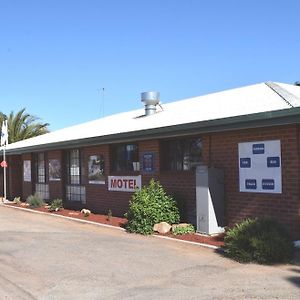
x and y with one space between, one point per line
184 230
109 215
17 200
261 240
35 201
148 206
56 205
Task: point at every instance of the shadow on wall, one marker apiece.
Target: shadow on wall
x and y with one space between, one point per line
181 204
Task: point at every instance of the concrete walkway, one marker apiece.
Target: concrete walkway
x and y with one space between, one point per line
42 257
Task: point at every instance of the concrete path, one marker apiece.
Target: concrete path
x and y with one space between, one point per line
43 257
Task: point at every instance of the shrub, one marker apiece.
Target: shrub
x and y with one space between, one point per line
261 240
183 230
109 215
56 205
148 206
35 200
17 200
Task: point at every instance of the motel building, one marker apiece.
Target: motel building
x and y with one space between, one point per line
224 156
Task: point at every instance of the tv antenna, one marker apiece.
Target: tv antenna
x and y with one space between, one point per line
101 91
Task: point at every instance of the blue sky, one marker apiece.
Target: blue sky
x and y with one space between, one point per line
56 56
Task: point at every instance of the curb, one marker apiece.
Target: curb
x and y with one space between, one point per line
108 226
187 242
65 217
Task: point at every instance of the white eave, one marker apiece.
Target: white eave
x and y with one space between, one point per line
258 98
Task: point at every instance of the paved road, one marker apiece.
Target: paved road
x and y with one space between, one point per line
42 257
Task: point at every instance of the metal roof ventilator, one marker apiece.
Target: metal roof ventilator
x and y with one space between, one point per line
150 99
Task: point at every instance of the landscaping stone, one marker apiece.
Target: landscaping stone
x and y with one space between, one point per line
162 227
85 211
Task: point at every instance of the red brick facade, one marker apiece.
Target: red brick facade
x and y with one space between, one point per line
219 150
286 206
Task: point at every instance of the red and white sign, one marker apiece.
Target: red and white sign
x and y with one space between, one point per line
3 164
124 183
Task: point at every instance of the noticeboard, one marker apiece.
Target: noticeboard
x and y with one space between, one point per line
260 167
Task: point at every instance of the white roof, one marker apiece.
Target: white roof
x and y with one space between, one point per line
246 100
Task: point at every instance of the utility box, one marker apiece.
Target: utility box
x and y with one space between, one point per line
209 200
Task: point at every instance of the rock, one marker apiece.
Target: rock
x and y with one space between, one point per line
180 225
85 211
24 204
162 227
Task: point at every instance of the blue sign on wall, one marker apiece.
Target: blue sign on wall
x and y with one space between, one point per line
268 184
250 184
273 162
245 162
258 148
148 162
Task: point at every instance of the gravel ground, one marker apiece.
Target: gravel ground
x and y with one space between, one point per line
43 257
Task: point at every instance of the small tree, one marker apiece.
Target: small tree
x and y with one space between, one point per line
149 206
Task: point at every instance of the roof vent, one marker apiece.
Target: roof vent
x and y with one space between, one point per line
150 99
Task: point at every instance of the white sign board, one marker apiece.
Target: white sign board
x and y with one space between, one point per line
27 170
124 183
260 167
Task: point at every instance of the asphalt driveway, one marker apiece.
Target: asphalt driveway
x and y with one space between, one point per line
43 257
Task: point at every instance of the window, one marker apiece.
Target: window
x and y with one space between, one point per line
42 190
40 167
182 154
75 191
74 167
125 157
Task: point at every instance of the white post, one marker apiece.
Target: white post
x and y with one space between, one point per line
4 171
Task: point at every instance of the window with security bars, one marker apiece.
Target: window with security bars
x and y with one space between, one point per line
74 166
76 193
74 190
42 190
41 168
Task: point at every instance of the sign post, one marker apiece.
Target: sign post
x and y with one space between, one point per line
4 142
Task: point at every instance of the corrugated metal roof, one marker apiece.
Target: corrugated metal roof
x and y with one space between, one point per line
262 97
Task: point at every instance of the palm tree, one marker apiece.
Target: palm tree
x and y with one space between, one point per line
23 126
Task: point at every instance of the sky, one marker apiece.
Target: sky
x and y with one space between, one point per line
70 62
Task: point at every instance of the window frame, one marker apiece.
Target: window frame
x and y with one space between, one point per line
176 154
40 168
71 169
124 164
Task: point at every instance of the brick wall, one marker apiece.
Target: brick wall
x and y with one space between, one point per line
285 206
219 150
